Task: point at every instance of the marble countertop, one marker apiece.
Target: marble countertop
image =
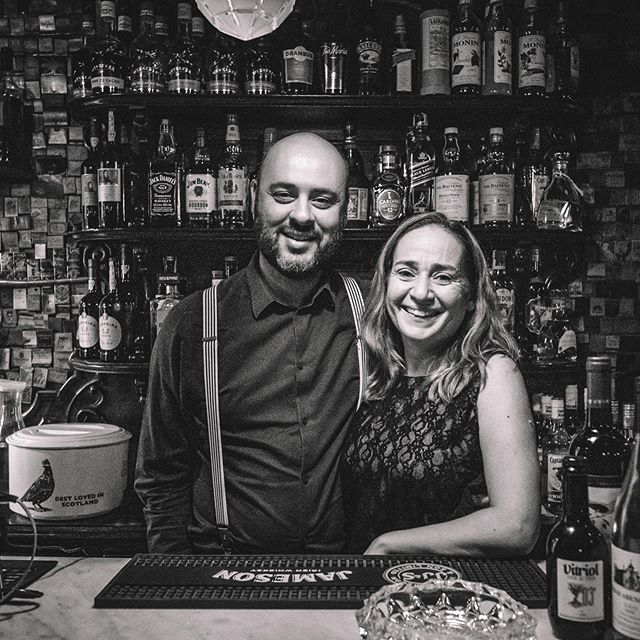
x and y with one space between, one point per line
65 612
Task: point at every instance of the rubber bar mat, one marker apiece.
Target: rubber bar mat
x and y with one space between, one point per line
12 571
300 581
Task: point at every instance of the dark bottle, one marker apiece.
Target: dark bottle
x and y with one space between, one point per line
571 412
126 295
566 56
88 315
505 289
141 349
578 569
269 138
389 189
184 68
557 341
359 186
109 62
12 115
369 59
536 301
232 178
124 23
147 57
81 60
110 320
200 188
452 181
261 68
403 70
625 551
89 177
420 166
536 173
334 55
164 200
601 444
298 57
496 183
532 59
466 50
522 213
222 65
497 62
134 181
110 179
161 25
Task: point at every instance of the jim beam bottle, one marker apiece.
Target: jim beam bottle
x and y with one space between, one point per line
532 45
421 166
359 186
466 51
200 186
497 184
232 178
164 181
388 188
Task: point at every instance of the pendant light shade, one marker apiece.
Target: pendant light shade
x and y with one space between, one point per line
246 19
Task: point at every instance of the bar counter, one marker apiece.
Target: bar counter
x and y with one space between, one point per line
65 612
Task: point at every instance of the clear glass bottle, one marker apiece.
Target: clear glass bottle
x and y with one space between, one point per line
536 173
109 174
452 180
164 200
566 55
184 67
369 52
388 189
555 449
532 59
421 167
497 184
261 68
358 207
561 204
200 185
147 58
504 287
81 60
109 62
557 342
10 421
222 65
89 177
232 178
403 67
168 296
497 62
334 54
88 315
466 51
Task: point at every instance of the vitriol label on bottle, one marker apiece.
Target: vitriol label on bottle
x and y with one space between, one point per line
465 58
580 590
496 197
110 332
502 57
452 197
531 61
625 584
201 193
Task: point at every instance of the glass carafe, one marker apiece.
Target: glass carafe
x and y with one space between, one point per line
10 422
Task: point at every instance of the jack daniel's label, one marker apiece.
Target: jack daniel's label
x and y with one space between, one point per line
163 194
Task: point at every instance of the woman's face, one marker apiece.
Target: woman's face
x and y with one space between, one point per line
427 291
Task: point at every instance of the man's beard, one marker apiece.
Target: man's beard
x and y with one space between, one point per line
301 265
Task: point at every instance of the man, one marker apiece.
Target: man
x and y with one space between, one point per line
288 379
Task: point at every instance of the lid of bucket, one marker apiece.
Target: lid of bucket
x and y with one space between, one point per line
75 435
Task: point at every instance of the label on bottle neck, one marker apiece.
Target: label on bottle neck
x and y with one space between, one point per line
532 61
496 198
358 204
625 584
580 590
452 196
465 59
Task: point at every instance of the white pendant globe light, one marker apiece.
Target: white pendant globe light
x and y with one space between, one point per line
246 19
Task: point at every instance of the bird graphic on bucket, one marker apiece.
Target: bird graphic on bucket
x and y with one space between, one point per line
41 488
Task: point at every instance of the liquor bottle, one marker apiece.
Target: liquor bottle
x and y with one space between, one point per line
134 181
200 188
536 303
578 573
358 183
126 294
141 350
184 66
334 55
230 266
561 205
536 174
477 158
298 57
452 181
566 56
88 315
222 65
572 420
625 554
628 423
81 60
124 23
556 448
420 167
388 189
403 70
147 58
89 178
167 297
542 431
232 178
434 26
496 183
466 50
601 444
269 138
557 342
161 26
522 212
109 62
109 175
497 61
198 31
261 68
532 60
164 199
504 287
109 323
369 58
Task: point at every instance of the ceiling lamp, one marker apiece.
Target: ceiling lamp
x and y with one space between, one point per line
246 19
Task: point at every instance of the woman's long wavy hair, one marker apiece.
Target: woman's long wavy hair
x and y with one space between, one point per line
480 336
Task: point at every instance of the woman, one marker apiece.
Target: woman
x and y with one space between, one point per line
447 416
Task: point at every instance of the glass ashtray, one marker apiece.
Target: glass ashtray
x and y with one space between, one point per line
444 610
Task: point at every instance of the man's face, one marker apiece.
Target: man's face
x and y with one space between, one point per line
299 203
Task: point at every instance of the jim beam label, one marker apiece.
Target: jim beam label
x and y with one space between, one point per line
163 194
452 197
625 585
502 57
580 588
531 61
465 59
201 193
496 197
298 65
358 204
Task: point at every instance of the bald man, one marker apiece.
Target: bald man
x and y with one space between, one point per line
288 379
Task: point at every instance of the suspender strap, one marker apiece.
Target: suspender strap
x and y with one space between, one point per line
357 309
210 356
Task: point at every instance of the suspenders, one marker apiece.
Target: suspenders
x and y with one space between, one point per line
210 355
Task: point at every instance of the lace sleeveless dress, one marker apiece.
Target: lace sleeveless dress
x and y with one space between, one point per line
410 462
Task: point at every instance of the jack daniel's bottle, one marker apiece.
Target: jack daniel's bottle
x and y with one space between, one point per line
164 181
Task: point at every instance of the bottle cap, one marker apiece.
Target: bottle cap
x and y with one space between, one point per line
450 130
577 464
598 363
496 131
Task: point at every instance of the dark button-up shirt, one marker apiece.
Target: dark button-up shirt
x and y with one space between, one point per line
288 381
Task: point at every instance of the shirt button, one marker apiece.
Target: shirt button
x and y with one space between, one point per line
305 478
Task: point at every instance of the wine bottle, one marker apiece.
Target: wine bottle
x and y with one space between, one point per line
358 184
110 326
109 174
601 444
89 177
578 573
88 315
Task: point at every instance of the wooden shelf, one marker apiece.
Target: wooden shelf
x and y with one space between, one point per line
41 283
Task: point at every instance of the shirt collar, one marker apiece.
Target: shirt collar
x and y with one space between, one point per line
262 296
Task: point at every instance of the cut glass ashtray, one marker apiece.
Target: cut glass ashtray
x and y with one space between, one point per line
444 610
